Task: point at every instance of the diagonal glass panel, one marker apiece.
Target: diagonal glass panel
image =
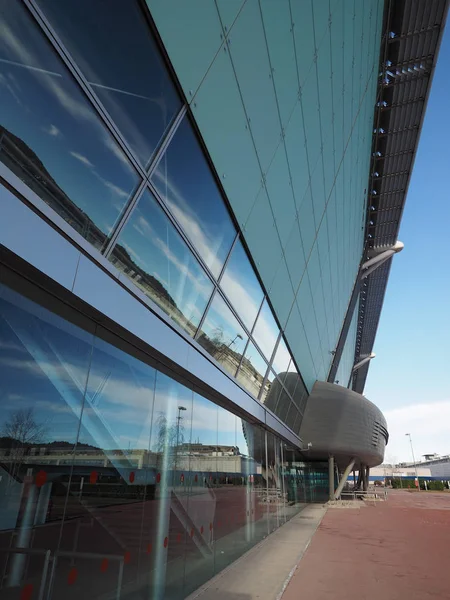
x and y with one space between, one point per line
112 44
241 285
186 184
252 370
266 331
151 253
222 336
50 135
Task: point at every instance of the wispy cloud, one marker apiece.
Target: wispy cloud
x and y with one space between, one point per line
52 130
83 159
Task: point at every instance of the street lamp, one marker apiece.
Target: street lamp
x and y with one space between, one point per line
180 409
414 460
238 335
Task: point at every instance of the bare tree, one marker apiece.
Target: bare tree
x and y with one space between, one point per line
23 431
23 428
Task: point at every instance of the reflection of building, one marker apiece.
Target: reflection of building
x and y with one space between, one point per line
193 261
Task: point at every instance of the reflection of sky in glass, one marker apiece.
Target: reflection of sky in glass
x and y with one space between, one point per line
250 380
227 429
153 244
43 366
169 397
281 359
266 331
221 327
241 285
41 105
185 181
204 421
119 400
112 44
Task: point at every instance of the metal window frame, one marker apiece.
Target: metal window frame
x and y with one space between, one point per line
144 172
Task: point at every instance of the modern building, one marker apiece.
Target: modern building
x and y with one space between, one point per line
199 205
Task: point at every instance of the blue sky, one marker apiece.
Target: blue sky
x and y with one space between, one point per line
408 379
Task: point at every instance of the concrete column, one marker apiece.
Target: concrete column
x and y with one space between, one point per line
344 478
331 477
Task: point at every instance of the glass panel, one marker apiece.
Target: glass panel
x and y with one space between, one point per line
185 182
222 336
294 484
50 135
300 395
112 44
241 520
241 285
266 395
266 331
282 360
153 255
44 363
170 451
252 370
275 499
111 493
202 501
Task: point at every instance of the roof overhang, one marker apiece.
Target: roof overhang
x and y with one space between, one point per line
412 33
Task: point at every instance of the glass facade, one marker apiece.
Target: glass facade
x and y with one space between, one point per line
106 146
116 480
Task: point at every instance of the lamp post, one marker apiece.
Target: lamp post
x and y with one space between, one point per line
180 409
238 335
414 460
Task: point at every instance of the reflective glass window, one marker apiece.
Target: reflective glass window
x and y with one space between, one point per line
185 182
275 499
282 360
265 394
50 135
266 331
252 370
241 285
110 509
111 42
44 364
170 529
202 500
222 335
152 254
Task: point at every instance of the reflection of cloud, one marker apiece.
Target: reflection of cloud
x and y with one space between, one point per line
240 297
9 87
206 244
78 108
115 189
134 255
144 228
52 130
205 418
82 159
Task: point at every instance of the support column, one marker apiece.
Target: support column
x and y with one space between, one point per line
331 477
344 478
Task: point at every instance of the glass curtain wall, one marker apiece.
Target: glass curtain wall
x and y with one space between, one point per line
116 479
104 144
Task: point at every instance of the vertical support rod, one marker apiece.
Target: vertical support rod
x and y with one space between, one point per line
331 477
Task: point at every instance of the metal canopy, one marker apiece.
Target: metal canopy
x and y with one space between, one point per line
412 34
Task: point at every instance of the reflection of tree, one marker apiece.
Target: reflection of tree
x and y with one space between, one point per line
21 431
170 438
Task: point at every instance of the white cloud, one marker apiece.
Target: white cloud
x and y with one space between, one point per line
82 159
428 424
52 130
115 189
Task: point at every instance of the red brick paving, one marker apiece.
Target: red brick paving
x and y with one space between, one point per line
394 550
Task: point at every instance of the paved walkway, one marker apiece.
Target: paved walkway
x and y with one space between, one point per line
394 550
263 572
